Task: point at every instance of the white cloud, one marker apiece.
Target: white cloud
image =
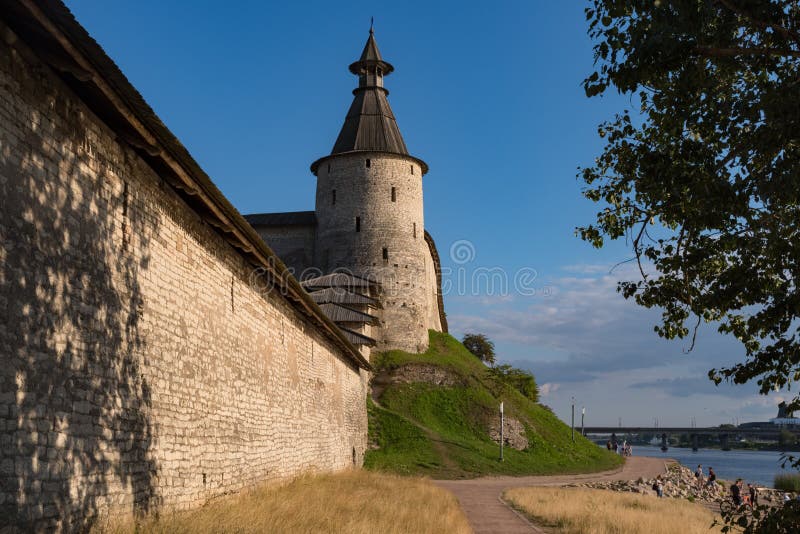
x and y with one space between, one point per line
584 268
586 340
547 388
586 328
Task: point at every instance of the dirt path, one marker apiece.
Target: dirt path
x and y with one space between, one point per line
487 514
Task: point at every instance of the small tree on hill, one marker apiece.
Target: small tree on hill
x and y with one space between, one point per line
522 381
480 346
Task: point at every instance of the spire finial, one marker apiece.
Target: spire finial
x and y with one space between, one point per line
371 22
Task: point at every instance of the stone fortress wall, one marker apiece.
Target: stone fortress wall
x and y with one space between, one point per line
375 228
294 245
434 306
140 366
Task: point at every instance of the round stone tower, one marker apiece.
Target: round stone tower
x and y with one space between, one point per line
369 209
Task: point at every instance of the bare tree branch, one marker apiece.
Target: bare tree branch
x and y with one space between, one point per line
694 336
709 51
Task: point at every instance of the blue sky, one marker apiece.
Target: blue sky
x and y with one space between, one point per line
489 95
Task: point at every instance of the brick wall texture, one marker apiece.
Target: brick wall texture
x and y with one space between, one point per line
140 368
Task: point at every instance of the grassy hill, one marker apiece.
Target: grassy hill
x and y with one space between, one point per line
431 413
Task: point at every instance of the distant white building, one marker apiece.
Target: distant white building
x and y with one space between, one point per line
785 417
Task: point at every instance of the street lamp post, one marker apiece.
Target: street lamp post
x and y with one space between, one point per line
572 425
502 418
583 414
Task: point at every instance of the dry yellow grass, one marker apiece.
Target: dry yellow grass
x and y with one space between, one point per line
349 502
584 511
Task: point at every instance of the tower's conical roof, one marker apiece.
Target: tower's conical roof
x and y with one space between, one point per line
371 56
370 125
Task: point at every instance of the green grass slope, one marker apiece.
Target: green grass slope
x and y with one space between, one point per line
442 431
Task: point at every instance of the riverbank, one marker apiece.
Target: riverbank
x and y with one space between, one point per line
678 482
758 467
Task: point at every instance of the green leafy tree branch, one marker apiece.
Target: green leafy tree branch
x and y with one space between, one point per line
704 182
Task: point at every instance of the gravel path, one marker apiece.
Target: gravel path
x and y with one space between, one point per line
488 514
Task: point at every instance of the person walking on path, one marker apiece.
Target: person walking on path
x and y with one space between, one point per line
753 495
698 475
658 485
736 492
712 477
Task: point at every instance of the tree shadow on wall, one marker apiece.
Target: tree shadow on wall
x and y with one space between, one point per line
77 435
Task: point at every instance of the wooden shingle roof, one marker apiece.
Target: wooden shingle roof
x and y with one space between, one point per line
371 56
338 295
357 339
342 314
337 280
291 218
370 125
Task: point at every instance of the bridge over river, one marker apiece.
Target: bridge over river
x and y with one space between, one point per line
724 434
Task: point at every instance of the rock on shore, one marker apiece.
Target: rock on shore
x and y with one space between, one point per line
680 483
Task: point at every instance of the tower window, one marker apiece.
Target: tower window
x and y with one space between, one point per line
329 168
368 163
412 169
394 195
358 224
386 254
333 197
415 230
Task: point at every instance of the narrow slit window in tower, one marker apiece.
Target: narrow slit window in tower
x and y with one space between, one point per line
333 197
368 163
358 224
329 168
412 169
386 254
394 195
415 230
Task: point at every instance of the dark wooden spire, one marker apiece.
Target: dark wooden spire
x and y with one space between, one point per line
370 57
370 124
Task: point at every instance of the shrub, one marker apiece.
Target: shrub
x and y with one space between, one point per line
522 381
480 346
787 482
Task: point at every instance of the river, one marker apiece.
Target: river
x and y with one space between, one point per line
751 466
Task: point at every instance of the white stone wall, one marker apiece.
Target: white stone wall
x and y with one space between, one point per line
294 245
433 320
364 192
140 368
